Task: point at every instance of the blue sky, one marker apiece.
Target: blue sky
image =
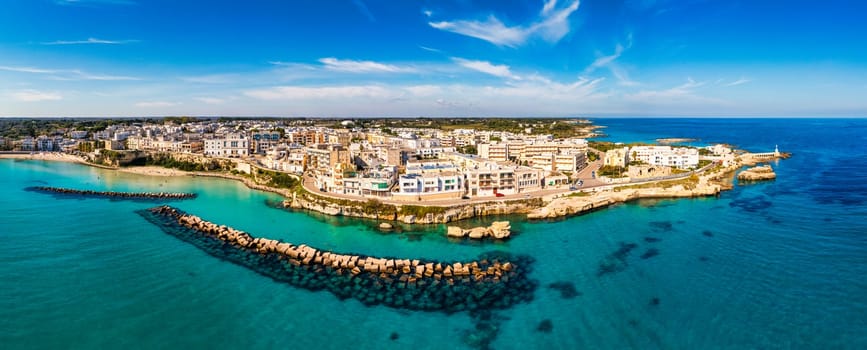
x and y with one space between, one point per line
374 58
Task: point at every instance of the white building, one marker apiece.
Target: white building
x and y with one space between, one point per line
417 187
373 183
679 157
230 145
494 179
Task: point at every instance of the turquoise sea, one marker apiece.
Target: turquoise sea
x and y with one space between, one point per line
772 265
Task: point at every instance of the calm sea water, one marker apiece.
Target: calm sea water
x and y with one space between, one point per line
771 265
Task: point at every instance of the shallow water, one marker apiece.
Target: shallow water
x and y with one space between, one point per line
782 267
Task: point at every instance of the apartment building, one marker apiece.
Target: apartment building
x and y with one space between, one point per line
494 151
321 157
342 138
430 166
306 137
678 157
372 183
558 162
229 145
429 186
264 141
493 178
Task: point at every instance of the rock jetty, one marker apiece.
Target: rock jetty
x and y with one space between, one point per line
759 173
496 280
111 194
497 230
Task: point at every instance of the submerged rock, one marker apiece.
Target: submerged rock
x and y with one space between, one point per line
752 205
546 326
663 226
567 289
385 226
616 261
650 253
486 326
707 233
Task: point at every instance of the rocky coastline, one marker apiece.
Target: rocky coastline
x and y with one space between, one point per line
435 215
567 206
495 281
112 194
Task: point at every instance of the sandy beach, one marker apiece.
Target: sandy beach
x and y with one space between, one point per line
51 156
153 171
70 158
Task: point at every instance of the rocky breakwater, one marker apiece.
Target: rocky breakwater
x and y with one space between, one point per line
496 280
497 230
759 173
111 194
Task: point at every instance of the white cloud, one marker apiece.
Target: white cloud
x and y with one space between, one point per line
549 5
89 41
67 74
683 94
429 49
35 96
622 76
87 76
425 90
354 66
609 62
551 26
28 70
538 88
364 10
328 92
210 79
156 104
499 70
603 61
739 82
211 100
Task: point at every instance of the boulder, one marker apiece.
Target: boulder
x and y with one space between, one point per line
500 229
385 226
478 232
454 231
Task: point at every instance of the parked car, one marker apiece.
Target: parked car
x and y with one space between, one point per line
499 195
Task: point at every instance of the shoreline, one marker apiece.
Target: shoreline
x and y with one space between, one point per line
709 183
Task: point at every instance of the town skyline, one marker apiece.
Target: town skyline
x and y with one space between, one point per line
357 59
